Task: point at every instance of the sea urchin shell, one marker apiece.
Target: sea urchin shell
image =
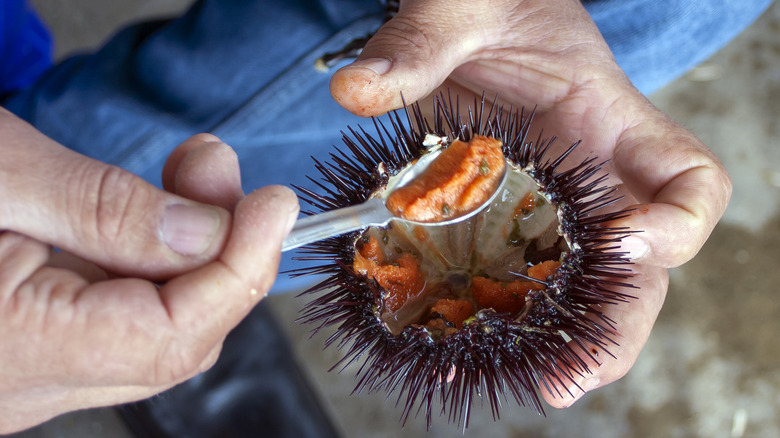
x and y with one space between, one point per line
441 341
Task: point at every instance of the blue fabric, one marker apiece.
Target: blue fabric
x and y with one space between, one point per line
25 46
655 42
243 70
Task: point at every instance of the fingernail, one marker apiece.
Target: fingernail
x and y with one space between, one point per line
582 387
379 66
189 230
634 247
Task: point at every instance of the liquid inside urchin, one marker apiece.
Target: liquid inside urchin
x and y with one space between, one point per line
493 308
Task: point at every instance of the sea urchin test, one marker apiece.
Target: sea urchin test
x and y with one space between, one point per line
495 306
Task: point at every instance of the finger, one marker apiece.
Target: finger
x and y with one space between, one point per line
682 188
178 154
205 304
20 256
110 333
100 212
30 408
633 321
86 270
411 54
205 170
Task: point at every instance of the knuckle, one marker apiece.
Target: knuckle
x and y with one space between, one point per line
407 32
110 197
116 195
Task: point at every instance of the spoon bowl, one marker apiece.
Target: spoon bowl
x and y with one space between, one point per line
374 212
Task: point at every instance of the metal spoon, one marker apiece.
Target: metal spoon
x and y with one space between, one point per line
372 212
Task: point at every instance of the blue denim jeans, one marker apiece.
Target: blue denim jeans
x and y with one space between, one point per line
243 70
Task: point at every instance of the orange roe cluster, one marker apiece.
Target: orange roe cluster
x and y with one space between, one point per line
448 315
457 182
509 297
401 278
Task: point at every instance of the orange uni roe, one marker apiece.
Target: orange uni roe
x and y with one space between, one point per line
509 297
401 278
457 182
543 270
447 315
454 311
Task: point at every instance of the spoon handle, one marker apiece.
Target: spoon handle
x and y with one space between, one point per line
336 222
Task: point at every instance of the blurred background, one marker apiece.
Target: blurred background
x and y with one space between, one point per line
712 365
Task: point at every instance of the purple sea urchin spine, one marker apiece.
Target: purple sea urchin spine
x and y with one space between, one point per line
494 355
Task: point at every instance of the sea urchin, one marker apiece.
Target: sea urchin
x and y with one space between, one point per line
495 307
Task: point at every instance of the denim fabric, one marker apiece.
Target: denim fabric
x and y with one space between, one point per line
655 42
243 70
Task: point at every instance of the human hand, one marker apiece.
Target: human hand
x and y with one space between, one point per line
147 284
549 54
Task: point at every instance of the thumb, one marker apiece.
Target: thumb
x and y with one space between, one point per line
682 188
413 53
99 212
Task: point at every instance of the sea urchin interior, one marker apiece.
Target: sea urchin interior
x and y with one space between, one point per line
494 307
